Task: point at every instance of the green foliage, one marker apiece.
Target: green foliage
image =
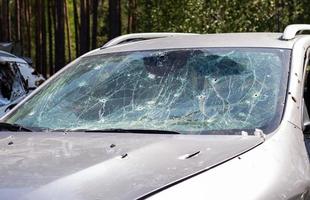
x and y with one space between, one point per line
193 16
213 16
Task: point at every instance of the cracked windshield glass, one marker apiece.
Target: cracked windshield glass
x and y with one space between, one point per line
191 91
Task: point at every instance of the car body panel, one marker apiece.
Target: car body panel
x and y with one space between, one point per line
293 109
263 40
136 164
276 169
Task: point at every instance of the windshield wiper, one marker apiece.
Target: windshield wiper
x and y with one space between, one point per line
13 127
120 130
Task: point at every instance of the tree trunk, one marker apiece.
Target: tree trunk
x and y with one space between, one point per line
28 26
129 17
9 21
5 21
84 29
59 35
114 19
87 11
54 24
68 32
50 37
43 39
76 28
17 20
22 26
132 16
1 27
38 36
95 18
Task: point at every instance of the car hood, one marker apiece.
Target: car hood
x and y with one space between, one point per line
107 166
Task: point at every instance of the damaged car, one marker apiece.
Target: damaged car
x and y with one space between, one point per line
17 80
167 116
32 77
13 87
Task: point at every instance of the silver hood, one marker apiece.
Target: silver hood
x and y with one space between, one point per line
106 166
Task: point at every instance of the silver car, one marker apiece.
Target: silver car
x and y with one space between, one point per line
167 116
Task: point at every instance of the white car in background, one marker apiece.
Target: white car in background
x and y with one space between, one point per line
23 80
31 76
167 116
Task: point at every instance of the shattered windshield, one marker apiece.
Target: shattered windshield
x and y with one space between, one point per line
191 91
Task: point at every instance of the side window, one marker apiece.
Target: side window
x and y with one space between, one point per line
307 85
306 106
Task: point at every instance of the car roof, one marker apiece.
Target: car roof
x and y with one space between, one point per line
7 57
259 40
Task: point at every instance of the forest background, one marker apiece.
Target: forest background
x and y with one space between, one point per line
54 32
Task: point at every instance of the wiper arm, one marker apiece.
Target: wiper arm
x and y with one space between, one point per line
120 130
13 127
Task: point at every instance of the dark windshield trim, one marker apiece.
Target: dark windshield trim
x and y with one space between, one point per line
14 127
249 132
118 130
